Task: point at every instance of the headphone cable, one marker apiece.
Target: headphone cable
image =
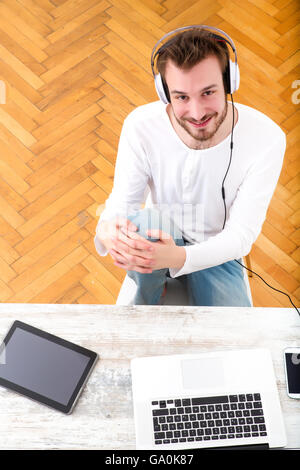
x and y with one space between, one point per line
225 210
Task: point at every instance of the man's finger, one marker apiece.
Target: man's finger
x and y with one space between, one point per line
155 233
134 241
126 224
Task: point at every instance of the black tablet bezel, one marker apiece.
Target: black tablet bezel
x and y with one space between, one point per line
62 342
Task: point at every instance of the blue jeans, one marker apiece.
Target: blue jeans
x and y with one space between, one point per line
221 285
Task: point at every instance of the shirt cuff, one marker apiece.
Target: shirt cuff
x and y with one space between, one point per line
100 248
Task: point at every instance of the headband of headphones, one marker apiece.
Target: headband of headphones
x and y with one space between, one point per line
232 73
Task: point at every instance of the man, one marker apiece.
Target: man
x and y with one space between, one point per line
216 194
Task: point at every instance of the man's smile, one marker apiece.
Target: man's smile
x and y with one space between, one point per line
199 125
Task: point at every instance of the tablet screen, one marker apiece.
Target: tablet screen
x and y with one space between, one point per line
44 367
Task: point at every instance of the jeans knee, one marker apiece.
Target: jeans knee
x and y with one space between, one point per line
152 219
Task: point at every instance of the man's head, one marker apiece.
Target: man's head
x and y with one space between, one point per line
193 68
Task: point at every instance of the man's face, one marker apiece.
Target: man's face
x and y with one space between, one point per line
197 97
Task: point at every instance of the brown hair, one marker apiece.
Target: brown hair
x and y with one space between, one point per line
190 47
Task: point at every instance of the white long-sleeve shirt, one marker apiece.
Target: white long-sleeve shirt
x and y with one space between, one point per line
152 156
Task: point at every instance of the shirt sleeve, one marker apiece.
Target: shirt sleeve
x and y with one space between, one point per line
130 180
246 215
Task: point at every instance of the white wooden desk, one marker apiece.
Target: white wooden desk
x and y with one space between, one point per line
103 416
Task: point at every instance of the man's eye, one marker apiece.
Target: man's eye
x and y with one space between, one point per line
182 97
210 92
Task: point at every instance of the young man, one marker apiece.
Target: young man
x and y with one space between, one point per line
210 197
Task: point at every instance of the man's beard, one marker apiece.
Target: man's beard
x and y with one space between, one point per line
202 135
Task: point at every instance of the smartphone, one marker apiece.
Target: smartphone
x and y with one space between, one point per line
292 371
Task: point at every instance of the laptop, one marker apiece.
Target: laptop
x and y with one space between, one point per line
208 400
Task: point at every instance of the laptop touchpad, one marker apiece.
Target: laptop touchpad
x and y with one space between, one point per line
202 373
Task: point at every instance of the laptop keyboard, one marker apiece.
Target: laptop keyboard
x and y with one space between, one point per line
208 418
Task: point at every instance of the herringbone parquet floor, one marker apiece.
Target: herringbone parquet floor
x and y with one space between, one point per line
71 70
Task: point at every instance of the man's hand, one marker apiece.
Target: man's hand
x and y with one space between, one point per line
129 250
154 255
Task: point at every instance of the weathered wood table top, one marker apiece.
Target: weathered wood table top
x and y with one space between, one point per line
103 416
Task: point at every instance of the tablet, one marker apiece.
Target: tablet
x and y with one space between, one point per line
44 367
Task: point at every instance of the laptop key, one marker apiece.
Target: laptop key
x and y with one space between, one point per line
160 412
257 404
259 419
258 412
186 402
159 435
233 398
209 400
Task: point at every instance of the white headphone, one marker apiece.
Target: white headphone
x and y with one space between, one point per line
232 71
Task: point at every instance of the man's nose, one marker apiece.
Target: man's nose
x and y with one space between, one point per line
197 111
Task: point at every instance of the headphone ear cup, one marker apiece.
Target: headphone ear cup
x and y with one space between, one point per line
234 75
160 88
